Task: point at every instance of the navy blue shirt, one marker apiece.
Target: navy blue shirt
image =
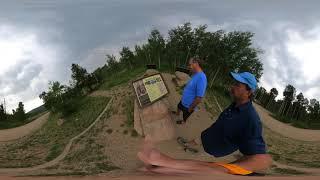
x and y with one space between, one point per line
236 128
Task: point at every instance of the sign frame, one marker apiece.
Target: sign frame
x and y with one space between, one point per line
137 96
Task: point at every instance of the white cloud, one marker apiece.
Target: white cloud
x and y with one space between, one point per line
291 57
26 66
307 51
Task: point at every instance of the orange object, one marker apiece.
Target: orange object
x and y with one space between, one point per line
233 169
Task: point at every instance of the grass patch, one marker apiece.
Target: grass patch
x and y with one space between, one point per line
121 77
222 95
214 94
87 155
292 152
134 133
297 124
275 156
49 142
12 123
287 171
129 111
54 152
109 131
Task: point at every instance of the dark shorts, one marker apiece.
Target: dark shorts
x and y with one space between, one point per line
185 111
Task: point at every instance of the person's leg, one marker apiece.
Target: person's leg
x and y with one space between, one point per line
186 115
195 142
149 155
179 108
171 171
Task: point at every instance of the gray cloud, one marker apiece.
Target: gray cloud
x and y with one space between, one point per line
19 77
84 31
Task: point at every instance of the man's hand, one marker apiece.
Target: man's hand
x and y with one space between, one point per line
194 104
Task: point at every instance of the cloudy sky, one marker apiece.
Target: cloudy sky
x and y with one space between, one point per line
39 40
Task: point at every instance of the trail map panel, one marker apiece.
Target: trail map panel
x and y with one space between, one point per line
150 89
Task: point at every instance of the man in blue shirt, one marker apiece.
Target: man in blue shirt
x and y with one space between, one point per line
193 91
237 128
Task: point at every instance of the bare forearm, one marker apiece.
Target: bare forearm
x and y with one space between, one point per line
196 101
255 163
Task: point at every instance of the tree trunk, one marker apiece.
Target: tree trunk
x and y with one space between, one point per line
159 61
280 109
288 109
214 77
187 56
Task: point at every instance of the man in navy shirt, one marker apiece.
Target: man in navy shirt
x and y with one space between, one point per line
193 91
237 128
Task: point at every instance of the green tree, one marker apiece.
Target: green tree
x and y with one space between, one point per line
314 110
289 94
127 57
3 114
112 63
156 46
179 44
20 113
272 95
79 76
53 99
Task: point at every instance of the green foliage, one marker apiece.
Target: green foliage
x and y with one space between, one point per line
20 113
134 133
117 78
17 118
62 98
127 57
292 109
288 171
3 114
129 111
36 111
55 150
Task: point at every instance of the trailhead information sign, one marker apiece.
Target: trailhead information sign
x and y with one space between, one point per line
149 89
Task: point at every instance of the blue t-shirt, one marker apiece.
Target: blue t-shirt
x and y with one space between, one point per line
196 86
236 128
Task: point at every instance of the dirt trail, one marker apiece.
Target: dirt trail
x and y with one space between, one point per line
286 129
19 132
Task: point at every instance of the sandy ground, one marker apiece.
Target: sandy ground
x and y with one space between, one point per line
60 157
286 129
19 132
162 177
121 148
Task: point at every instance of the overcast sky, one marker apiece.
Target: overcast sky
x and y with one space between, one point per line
39 40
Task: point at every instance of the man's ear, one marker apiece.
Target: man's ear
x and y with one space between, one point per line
249 94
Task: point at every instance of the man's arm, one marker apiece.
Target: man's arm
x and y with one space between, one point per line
255 163
195 102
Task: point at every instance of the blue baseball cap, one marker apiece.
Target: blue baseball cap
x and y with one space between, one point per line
245 78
